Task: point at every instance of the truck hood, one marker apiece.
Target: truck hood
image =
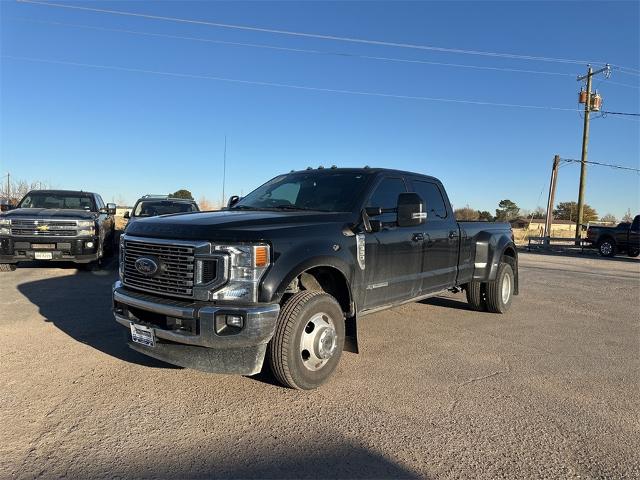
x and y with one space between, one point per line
240 225
46 213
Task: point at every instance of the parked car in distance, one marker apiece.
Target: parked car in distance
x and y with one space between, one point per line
56 225
623 238
156 205
285 273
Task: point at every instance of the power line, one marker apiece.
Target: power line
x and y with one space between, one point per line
622 113
619 167
314 35
303 50
286 85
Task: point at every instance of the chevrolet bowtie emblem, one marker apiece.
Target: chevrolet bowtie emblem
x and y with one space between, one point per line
43 228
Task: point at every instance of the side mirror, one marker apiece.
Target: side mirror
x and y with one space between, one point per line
127 214
410 210
111 208
233 200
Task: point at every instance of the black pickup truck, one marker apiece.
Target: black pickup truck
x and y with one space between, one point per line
623 238
56 225
286 272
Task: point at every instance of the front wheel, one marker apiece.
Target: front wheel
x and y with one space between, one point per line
307 344
633 252
499 293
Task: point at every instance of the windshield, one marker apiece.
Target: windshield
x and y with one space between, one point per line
153 208
71 201
322 191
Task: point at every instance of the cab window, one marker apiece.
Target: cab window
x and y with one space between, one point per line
386 196
432 197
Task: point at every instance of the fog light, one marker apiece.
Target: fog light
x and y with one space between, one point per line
88 244
234 321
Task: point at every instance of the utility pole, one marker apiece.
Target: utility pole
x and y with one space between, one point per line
8 188
552 195
591 103
224 170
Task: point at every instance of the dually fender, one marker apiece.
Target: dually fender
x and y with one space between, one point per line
489 251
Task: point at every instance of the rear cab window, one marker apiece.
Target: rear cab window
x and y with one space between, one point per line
432 197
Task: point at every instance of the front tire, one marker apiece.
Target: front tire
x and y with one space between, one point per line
308 341
500 291
633 252
607 247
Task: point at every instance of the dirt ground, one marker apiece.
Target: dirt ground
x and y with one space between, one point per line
548 390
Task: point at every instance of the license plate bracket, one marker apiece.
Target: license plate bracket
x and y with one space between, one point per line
142 335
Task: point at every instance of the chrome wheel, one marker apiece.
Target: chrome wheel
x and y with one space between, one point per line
319 341
606 248
506 289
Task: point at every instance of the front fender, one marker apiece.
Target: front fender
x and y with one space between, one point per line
288 266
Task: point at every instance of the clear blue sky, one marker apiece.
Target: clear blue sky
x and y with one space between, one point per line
125 134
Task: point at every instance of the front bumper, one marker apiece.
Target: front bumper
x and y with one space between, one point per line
186 333
14 250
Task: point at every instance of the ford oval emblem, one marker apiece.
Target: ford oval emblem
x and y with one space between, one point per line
146 266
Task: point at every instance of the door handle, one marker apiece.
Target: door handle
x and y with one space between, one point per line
452 234
418 237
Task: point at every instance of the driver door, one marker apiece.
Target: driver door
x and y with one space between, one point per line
393 256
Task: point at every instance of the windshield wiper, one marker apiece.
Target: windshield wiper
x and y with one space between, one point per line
296 207
246 207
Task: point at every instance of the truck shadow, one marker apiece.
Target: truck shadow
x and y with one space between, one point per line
80 305
337 458
447 302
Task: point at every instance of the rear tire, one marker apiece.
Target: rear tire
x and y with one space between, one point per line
476 296
633 252
308 341
500 291
7 267
607 247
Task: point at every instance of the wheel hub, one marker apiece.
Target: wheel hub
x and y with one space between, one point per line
506 289
319 341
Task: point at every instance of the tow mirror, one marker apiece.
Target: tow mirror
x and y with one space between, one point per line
233 200
127 214
111 208
410 210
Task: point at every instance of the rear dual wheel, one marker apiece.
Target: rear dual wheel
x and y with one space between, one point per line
494 296
307 344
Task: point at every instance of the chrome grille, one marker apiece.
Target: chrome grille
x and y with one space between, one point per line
44 228
176 268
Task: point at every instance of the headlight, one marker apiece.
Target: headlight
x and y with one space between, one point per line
5 226
247 265
86 227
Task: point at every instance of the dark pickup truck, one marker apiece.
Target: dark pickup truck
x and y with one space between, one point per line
56 225
286 272
623 238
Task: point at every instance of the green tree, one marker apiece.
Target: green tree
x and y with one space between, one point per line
182 194
486 216
467 213
569 211
507 210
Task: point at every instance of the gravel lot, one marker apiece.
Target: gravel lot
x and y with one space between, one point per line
548 390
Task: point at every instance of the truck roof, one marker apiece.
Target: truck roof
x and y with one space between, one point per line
369 170
72 192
